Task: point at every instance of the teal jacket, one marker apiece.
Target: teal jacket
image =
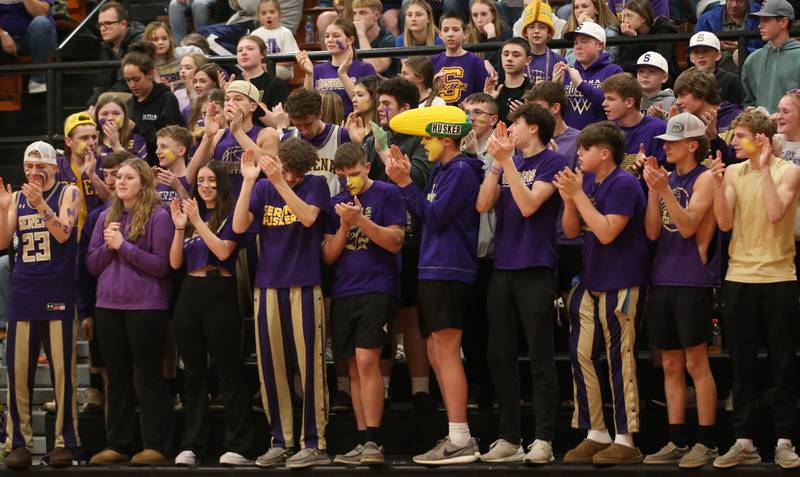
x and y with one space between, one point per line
769 73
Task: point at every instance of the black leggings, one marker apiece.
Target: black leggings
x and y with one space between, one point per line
207 318
131 338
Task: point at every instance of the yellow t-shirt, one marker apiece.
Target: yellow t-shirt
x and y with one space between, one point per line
760 252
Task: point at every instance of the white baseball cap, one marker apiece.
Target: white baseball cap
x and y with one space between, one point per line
704 38
654 59
40 151
591 29
683 126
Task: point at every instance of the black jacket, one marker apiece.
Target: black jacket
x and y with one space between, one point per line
629 53
156 111
113 79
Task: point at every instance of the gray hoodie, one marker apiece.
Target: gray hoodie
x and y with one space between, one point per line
663 99
769 73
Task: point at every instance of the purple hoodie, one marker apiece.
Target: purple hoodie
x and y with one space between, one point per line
585 101
446 210
138 275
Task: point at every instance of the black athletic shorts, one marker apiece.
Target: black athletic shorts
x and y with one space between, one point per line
362 321
442 304
409 270
679 317
569 265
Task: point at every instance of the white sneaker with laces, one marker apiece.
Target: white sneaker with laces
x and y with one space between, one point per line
232 458
34 87
540 452
186 458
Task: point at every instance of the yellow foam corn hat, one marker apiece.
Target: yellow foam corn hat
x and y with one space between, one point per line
433 121
538 11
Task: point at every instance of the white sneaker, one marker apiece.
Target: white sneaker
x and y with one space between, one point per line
503 451
540 452
232 458
186 458
786 457
34 87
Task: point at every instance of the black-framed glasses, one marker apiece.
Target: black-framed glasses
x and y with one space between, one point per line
107 24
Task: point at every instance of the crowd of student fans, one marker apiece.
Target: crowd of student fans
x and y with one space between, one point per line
461 204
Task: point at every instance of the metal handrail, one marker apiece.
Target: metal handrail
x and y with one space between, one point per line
80 26
54 70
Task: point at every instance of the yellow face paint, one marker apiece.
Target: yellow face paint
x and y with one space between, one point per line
355 184
80 148
434 147
118 120
169 155
748 146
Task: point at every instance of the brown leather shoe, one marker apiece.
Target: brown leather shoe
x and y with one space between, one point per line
617 454
109 457
150 457
59 457
18 459
584 452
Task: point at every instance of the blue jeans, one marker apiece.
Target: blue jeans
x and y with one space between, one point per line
228 35
39 42
201 9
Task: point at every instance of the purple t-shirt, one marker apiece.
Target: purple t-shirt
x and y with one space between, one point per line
660 7
567 144
15 19
677 261
136 146
197 254
643 133
522 242
540 68
326 78
291 253
167 194
463 75
229 152
624 262
365 267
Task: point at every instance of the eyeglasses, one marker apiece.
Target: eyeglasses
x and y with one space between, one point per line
107 24
476 112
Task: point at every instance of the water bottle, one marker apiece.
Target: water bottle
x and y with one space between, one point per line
716 338
311 36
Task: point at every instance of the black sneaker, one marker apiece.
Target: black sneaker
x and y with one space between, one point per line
423 402
341 402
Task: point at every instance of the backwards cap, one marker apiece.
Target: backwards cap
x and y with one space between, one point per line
538 11
433 121
40 151
75 120
248 89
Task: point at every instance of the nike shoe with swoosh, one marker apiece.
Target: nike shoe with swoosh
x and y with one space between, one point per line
446 453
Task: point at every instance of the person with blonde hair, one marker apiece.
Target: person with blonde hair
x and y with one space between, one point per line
129 254
595 11
167 54
115 129
419 28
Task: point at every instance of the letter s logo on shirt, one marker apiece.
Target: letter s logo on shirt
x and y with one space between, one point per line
452 87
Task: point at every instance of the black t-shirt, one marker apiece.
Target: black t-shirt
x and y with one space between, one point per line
510 94
274 89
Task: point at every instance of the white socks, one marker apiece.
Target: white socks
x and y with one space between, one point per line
419 385
459 433
747 444
599 435
624 439
782 441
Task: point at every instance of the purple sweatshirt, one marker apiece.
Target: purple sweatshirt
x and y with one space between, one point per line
138 275
446 210
585 101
